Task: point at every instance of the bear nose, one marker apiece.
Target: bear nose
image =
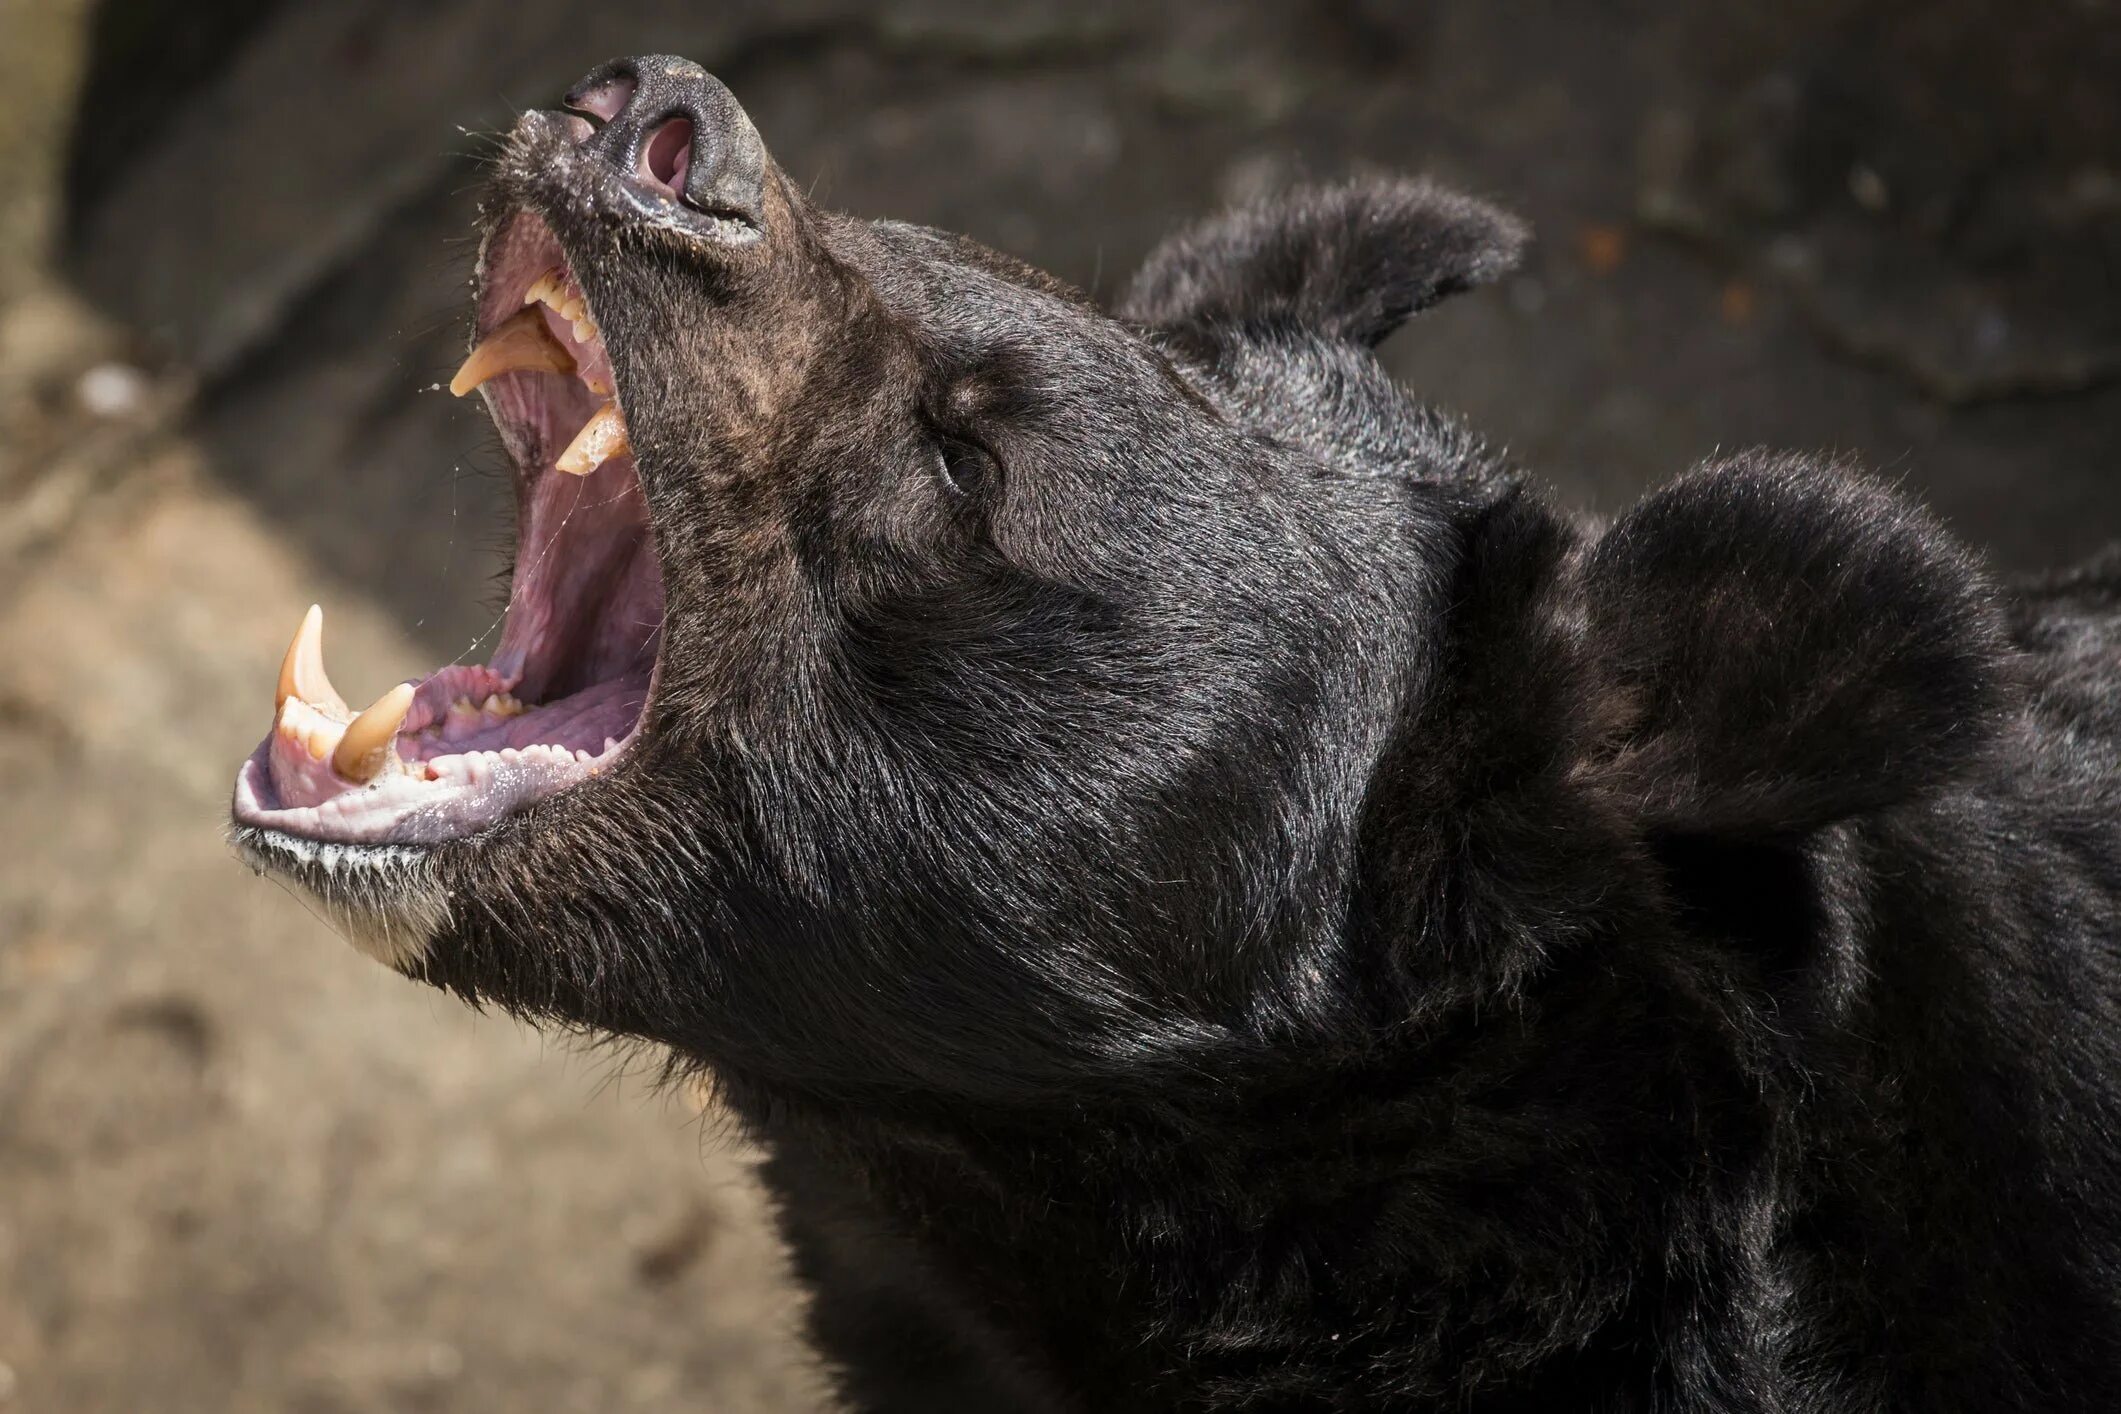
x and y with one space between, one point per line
671 127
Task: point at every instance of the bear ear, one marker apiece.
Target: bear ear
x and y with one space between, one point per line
1348 262
1789 646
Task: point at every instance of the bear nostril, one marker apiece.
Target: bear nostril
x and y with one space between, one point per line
668 155
654 114
605 100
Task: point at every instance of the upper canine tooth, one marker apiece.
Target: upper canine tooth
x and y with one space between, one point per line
302 669
601 438
364 748
520 341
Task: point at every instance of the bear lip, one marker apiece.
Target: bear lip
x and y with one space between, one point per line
563 697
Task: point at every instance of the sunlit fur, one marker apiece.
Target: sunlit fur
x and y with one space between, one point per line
1214 894
380 898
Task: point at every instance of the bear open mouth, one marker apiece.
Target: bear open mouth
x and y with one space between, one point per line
563 694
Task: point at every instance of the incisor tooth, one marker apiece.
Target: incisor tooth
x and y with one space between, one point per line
520 341
365 747
304 726
545 289
601 438
302 670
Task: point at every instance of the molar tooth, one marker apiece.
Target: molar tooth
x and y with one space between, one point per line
520 341
585 330
302 669
601 438
459 719
364 749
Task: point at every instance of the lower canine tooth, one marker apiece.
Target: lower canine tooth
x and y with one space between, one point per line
521 341
601 438
365 748
302 670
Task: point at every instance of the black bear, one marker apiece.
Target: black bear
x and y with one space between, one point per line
1211 893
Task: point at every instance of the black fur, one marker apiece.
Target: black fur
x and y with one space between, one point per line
1346 262
1213 894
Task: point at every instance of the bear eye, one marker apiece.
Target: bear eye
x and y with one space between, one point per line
965 466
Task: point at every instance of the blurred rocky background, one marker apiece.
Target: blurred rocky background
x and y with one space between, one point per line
242 1169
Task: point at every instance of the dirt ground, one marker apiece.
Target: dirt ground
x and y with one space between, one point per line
243 1169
